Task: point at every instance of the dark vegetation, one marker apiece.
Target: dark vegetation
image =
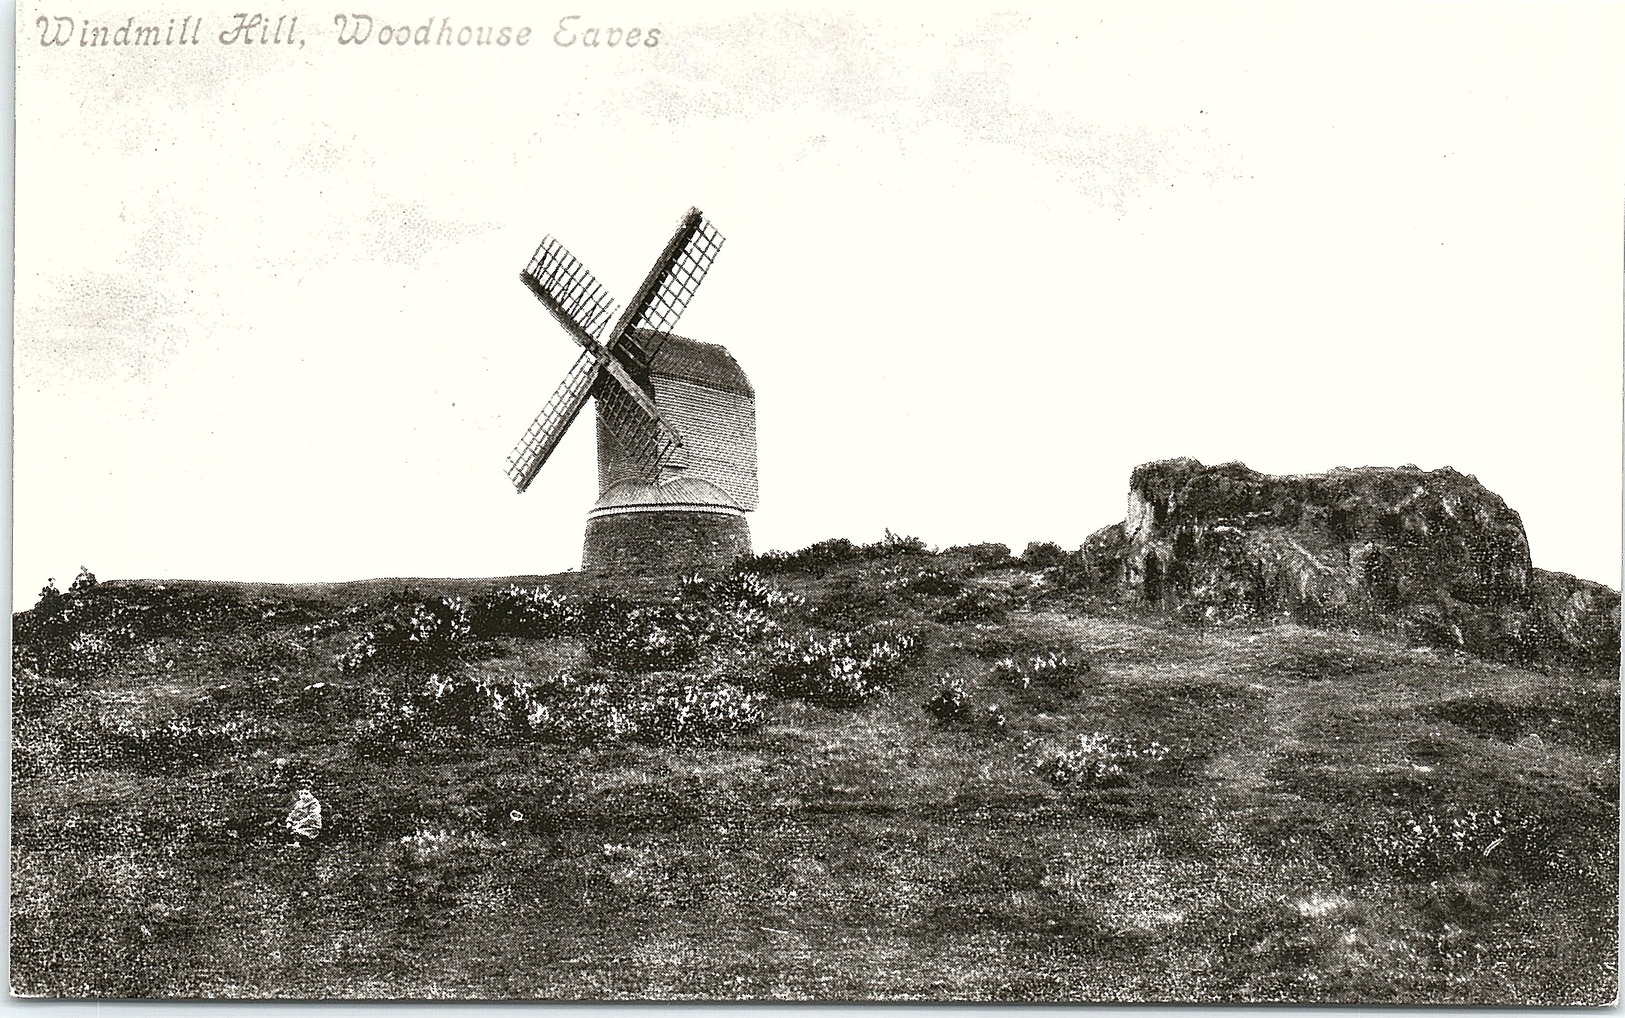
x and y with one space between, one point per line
844 772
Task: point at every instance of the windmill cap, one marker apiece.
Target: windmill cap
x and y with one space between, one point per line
673 494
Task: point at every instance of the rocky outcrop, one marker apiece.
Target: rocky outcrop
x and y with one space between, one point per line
1433 550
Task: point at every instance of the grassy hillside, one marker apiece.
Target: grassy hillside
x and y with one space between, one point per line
851 773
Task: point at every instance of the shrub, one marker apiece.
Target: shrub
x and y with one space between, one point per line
736 611
973 604
953 704
1098 760
896 544
1043 555
594 708
842 669
587 707
431 864
932 583
1422 844
1054 668
535 612
83 582
950 702
429 636
165 746
648 638
984 555
825 555
739 589
743 608
815 558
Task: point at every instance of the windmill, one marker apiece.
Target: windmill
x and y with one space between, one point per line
676 418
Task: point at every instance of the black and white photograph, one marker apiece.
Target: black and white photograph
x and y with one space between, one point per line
1078 503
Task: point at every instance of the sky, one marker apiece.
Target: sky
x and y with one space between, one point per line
269 326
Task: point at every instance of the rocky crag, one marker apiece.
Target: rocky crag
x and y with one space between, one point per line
1431 551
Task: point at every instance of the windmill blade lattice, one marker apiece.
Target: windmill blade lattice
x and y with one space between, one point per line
639 429
669 288
568 290
556 415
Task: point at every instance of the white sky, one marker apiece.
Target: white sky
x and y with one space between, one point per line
269 323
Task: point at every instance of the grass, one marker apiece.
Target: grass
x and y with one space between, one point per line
1327 817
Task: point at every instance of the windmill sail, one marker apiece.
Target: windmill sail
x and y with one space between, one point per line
637 424
544 433
569 291
581 304
667 290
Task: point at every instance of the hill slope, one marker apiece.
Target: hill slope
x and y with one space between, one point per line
855 773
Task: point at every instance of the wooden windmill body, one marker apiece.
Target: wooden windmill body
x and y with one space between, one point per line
676 418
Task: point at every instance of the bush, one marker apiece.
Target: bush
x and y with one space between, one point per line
973 604
430 865
896 544
535 613
736 611
1423 844
986 555
649 638
34 693
953 704
815 558
932 583
738 590
429 636
1055 668
1099 761
950 702
841 669
1043 555
819 558
165 746
587 707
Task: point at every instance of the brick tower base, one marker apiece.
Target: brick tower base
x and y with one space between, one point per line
662 542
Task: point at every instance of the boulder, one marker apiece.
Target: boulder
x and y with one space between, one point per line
1431 550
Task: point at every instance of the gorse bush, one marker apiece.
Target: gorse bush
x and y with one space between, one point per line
950 702
122 614
104 738
1422 844
650 638
1043 555
533 612
34 693
738 590
929 583
1098 760
83 582
429 636
736 611
841 669
575 707
973 604
1055 668
825 555
985 555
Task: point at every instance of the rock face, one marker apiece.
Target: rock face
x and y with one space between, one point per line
1433 550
